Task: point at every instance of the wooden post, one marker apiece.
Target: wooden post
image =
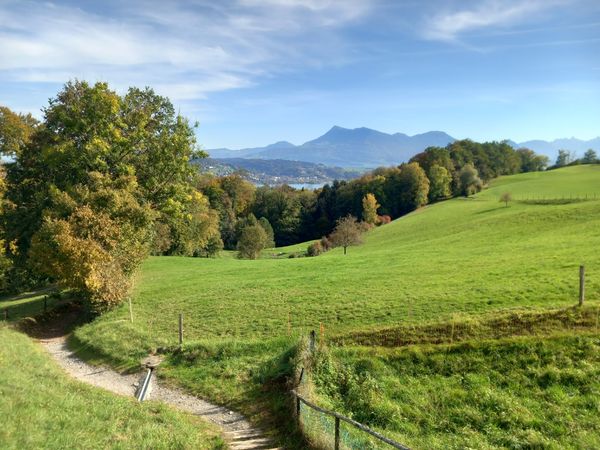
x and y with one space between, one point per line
312 340
130 311
6 314
581 285
289 323
337 433
180 330
298 408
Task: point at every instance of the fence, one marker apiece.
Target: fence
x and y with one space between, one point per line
539 199
338 419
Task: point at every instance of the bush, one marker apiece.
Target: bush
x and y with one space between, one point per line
326 244
252 240
383 220
314 249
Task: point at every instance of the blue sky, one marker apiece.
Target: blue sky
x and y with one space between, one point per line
253 72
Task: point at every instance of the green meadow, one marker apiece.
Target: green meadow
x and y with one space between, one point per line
458 260
462 256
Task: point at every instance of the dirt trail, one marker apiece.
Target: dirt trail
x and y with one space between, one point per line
238 432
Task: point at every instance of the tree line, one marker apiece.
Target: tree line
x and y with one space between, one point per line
459 169
103 180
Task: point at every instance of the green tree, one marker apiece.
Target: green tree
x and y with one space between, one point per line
564 158
251 242
16 131
413 187
347 232
263 222
590 157
530 161
439 183
469 180
369 209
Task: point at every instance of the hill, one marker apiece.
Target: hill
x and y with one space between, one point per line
467 258
276 171
368 148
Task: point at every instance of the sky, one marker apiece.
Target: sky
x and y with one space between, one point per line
253 72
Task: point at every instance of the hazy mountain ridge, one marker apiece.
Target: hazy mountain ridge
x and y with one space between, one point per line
365 147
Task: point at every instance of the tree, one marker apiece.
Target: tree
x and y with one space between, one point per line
590 157
564 158
347 232
15 131
100 162
439 183
93 239
369 209
263 222
252 240
506 197
530 161
469 180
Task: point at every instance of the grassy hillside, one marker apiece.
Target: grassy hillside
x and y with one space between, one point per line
512 393
447 263
461 256
42 408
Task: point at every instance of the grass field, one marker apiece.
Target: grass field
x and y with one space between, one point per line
452 261
41 407
461 256
510 393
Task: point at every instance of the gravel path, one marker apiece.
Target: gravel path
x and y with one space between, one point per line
238 432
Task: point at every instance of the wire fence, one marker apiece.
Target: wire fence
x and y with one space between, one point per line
540 199
329 429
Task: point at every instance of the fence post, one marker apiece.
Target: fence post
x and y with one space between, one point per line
180 330
298 408
312 340
6 314
130 311
581 285
337 433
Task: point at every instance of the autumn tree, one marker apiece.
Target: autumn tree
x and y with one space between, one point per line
347 232
251 242
88 185
16 131
369 209
506 197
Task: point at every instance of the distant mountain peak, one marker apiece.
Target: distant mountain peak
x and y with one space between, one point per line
364 147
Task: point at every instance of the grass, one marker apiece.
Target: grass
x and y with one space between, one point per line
43 408
30 304
511 393
469 258
461 256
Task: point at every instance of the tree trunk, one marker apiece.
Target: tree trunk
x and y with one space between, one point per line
344 249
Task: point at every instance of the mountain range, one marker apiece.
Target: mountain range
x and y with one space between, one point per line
367 148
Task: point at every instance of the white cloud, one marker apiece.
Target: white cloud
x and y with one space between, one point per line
185 49
450 25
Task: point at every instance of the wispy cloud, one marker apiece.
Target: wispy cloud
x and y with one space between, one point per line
451 25
184 49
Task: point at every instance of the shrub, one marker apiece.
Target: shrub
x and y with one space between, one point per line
383 220
314 249
326 244
252 240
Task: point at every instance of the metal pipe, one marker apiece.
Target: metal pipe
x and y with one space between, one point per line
143 390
